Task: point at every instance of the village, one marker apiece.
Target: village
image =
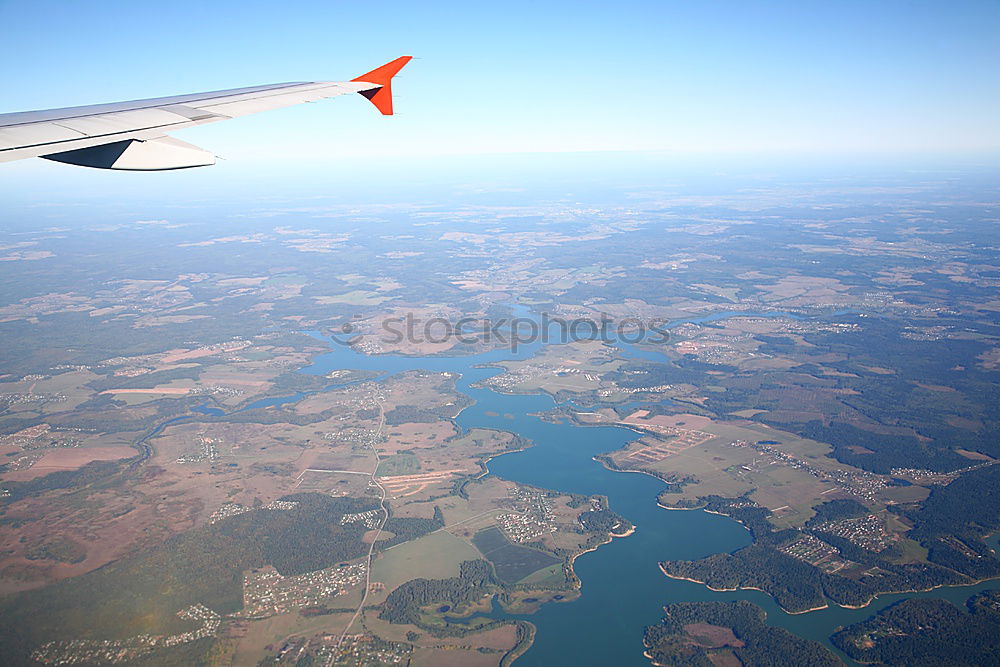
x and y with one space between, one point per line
863 484
267 593
369 519
867 532
125 651
235 509
207 451
354 650
816 552
533 518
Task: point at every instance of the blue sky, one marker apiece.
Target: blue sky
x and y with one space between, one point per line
703 77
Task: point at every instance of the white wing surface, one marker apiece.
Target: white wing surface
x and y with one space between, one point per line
132 135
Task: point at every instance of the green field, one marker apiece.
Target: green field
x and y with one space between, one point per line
434 556
553 575
404 463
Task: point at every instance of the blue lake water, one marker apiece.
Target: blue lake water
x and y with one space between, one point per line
623 589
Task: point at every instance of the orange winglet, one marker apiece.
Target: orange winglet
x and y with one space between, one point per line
382 97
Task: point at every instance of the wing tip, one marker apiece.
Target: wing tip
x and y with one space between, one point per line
382 76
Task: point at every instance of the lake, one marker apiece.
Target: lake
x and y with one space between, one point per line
622 586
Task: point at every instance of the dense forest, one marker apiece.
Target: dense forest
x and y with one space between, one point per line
405 529
835 510
881 453
876 420
403 605
928 631
91 473
676 640
954 520
793 583
405 414
604 521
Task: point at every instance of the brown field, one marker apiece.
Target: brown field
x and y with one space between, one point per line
171 391
768 364
654 449
747 414
344 401
712 636
173 356
227 282
336 484
975 456
470 284
725 469
335 457
122 526
668 438
725 659
454 656
464 518
69 458
416 435
250 462
805 290
878 370
402 486
685 420
264 461
442 460
160 320
963 422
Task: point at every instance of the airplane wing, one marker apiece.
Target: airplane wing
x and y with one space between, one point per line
133 135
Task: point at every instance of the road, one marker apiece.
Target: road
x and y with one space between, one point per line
378 531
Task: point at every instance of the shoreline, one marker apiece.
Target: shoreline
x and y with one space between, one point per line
646 655
825 605
678 577
610 538
578 583
604 460
572 560
529 641
914 591
522 646
630 531
606 463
